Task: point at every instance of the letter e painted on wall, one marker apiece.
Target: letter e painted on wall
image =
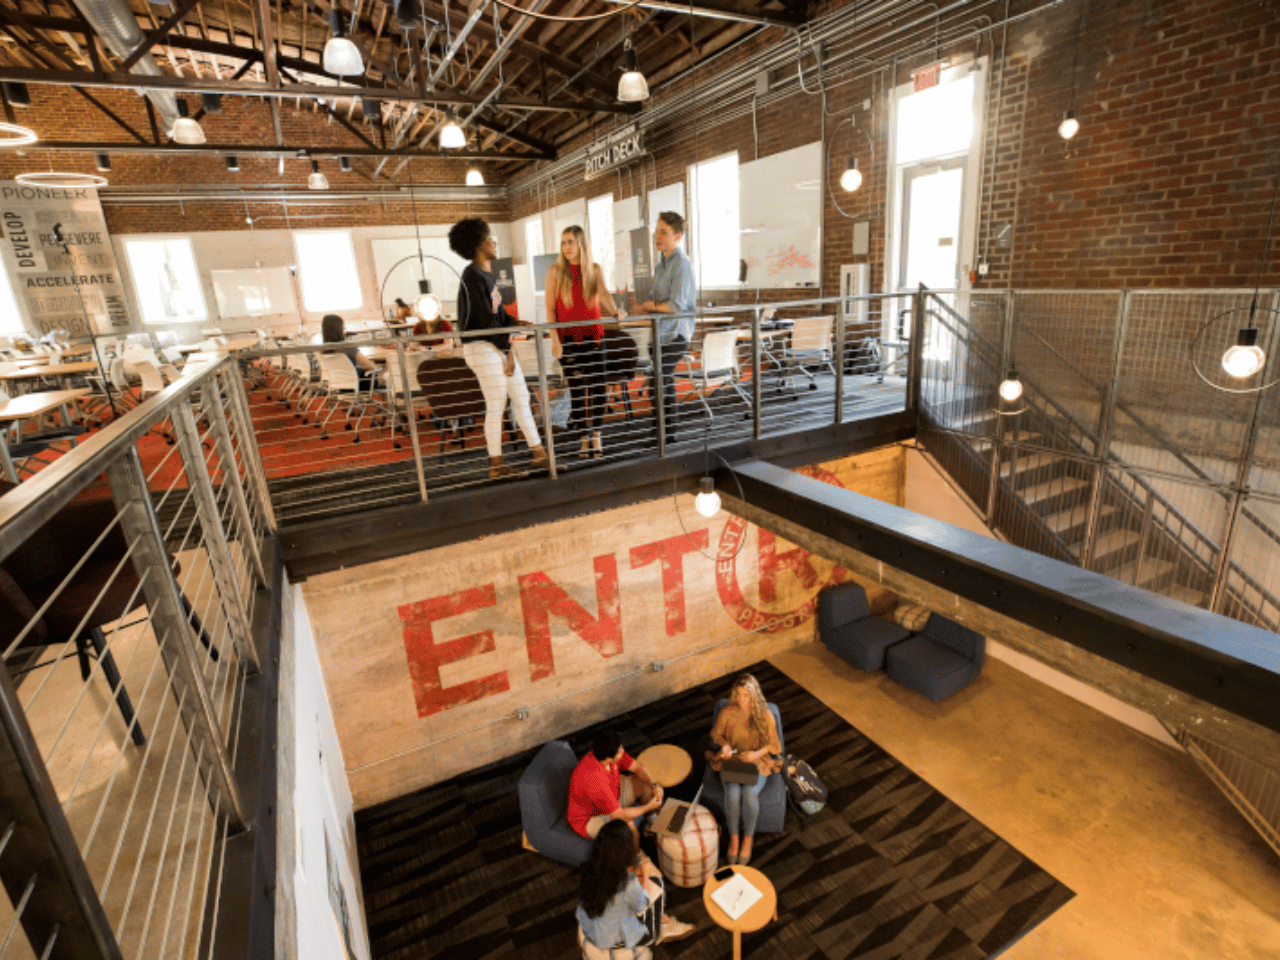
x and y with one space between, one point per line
426 656
540 598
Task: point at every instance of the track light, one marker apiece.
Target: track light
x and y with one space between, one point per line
851 179
17 94
408 13
632 87
707 502
185 130
233 164
372 111
1069 126
427 306
451 135
1245 358
103 161
344 164
211 102
1011 388
341 56
475 178
317 180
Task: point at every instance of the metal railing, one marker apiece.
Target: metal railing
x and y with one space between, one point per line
335 439
1048 472
130 571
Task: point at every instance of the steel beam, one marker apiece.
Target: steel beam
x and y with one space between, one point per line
284 150
1222 662
787 20
158 34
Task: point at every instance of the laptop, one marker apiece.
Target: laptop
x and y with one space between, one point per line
738 771
674 816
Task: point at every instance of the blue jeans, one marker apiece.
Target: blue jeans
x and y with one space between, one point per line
742 802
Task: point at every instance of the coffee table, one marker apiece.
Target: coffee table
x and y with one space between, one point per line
761 912
667 763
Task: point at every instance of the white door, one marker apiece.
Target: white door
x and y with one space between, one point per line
930 245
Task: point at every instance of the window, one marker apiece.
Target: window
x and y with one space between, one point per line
600 218
11 324
716 242
166 281
936 122
533 246
327 266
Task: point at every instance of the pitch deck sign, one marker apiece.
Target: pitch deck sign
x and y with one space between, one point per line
615 150
60 261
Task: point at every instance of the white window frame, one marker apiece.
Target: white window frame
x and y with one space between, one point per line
355 298
535 241
972 175
603 251
704 238
197 292
12 322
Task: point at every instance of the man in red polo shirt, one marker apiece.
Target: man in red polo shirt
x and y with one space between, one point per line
598 794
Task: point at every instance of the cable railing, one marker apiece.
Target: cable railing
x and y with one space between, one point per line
1051 483
129 573
389 421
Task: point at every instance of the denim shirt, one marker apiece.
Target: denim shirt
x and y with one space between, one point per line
674 285
620 924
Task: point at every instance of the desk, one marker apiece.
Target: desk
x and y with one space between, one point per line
761 912
59 370
26 407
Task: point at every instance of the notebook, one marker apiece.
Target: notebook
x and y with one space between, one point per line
674 816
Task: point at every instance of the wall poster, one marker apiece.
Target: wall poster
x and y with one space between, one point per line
58 254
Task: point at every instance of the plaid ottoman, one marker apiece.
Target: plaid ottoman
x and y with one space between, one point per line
688 860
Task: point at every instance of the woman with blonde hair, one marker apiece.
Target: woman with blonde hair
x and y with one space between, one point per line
745 730
576 291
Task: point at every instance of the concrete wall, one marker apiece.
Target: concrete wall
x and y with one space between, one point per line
429 656
319 903
931 493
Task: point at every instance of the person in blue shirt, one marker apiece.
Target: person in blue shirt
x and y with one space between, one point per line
622 895
674 291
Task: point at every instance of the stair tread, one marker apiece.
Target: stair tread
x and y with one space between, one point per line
1030 461
1152 569
1186 595
1022 436
1114 540
1074 517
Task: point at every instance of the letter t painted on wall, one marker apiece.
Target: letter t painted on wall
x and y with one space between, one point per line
671 552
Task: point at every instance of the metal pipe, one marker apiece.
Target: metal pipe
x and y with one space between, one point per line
116 24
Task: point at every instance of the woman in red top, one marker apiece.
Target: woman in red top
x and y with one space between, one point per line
576 291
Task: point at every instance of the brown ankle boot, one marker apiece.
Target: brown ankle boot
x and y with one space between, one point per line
538 459
500 471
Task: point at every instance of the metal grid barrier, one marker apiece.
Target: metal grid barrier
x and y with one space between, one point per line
126 645
334 438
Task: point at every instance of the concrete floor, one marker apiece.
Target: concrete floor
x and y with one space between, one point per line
1162 865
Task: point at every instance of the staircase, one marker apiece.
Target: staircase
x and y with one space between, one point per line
1034 472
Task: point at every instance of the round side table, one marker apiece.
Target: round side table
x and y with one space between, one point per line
760 913
668 763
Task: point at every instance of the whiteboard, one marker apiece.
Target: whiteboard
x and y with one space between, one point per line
626 217
781 218
254 292
670 197
387 254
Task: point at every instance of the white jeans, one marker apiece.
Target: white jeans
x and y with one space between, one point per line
487 362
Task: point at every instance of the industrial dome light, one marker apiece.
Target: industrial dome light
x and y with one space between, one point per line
317 180
185 130
707 502
1245 358
851 179
451 135
632 86
341 56
1069 126
475 178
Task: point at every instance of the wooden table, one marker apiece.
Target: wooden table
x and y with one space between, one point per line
761 912
667 763
28 406
59 370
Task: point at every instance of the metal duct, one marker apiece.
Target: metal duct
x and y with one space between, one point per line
119 30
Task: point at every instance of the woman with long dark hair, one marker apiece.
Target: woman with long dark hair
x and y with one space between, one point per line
333 329
745 730
622 894
576 291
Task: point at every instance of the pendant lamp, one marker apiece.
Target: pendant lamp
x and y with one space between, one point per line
632 86
185 130
475 178
451 135
341 56
317 180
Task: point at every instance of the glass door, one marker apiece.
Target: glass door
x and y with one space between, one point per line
932 200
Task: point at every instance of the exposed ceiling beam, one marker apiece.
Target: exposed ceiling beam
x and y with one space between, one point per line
242 89
158 34
456 44
719 10
309 151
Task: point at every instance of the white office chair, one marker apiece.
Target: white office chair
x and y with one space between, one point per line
341 384
810 346
720 366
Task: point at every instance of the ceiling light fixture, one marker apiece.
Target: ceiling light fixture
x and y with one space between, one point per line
632 86
60 180
707 502
103 161
1246 358
451 135
475 178
12 135
341 56
1011 387
344 164
233 164
427 306
211 102
1070 126
317 180
17 94
185 130
851 179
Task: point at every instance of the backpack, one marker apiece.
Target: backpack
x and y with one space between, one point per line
807 792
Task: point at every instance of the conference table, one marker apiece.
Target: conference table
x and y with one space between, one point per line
32 406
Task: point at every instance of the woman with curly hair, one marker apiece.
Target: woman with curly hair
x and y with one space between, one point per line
745 730
489 355
622 895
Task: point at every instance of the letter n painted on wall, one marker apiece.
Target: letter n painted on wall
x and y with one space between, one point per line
540 598
426 656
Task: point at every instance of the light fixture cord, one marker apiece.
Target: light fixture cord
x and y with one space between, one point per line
1266 248
1075 56
413 205
546 16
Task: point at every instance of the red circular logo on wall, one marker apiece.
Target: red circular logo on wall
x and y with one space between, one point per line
797 561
